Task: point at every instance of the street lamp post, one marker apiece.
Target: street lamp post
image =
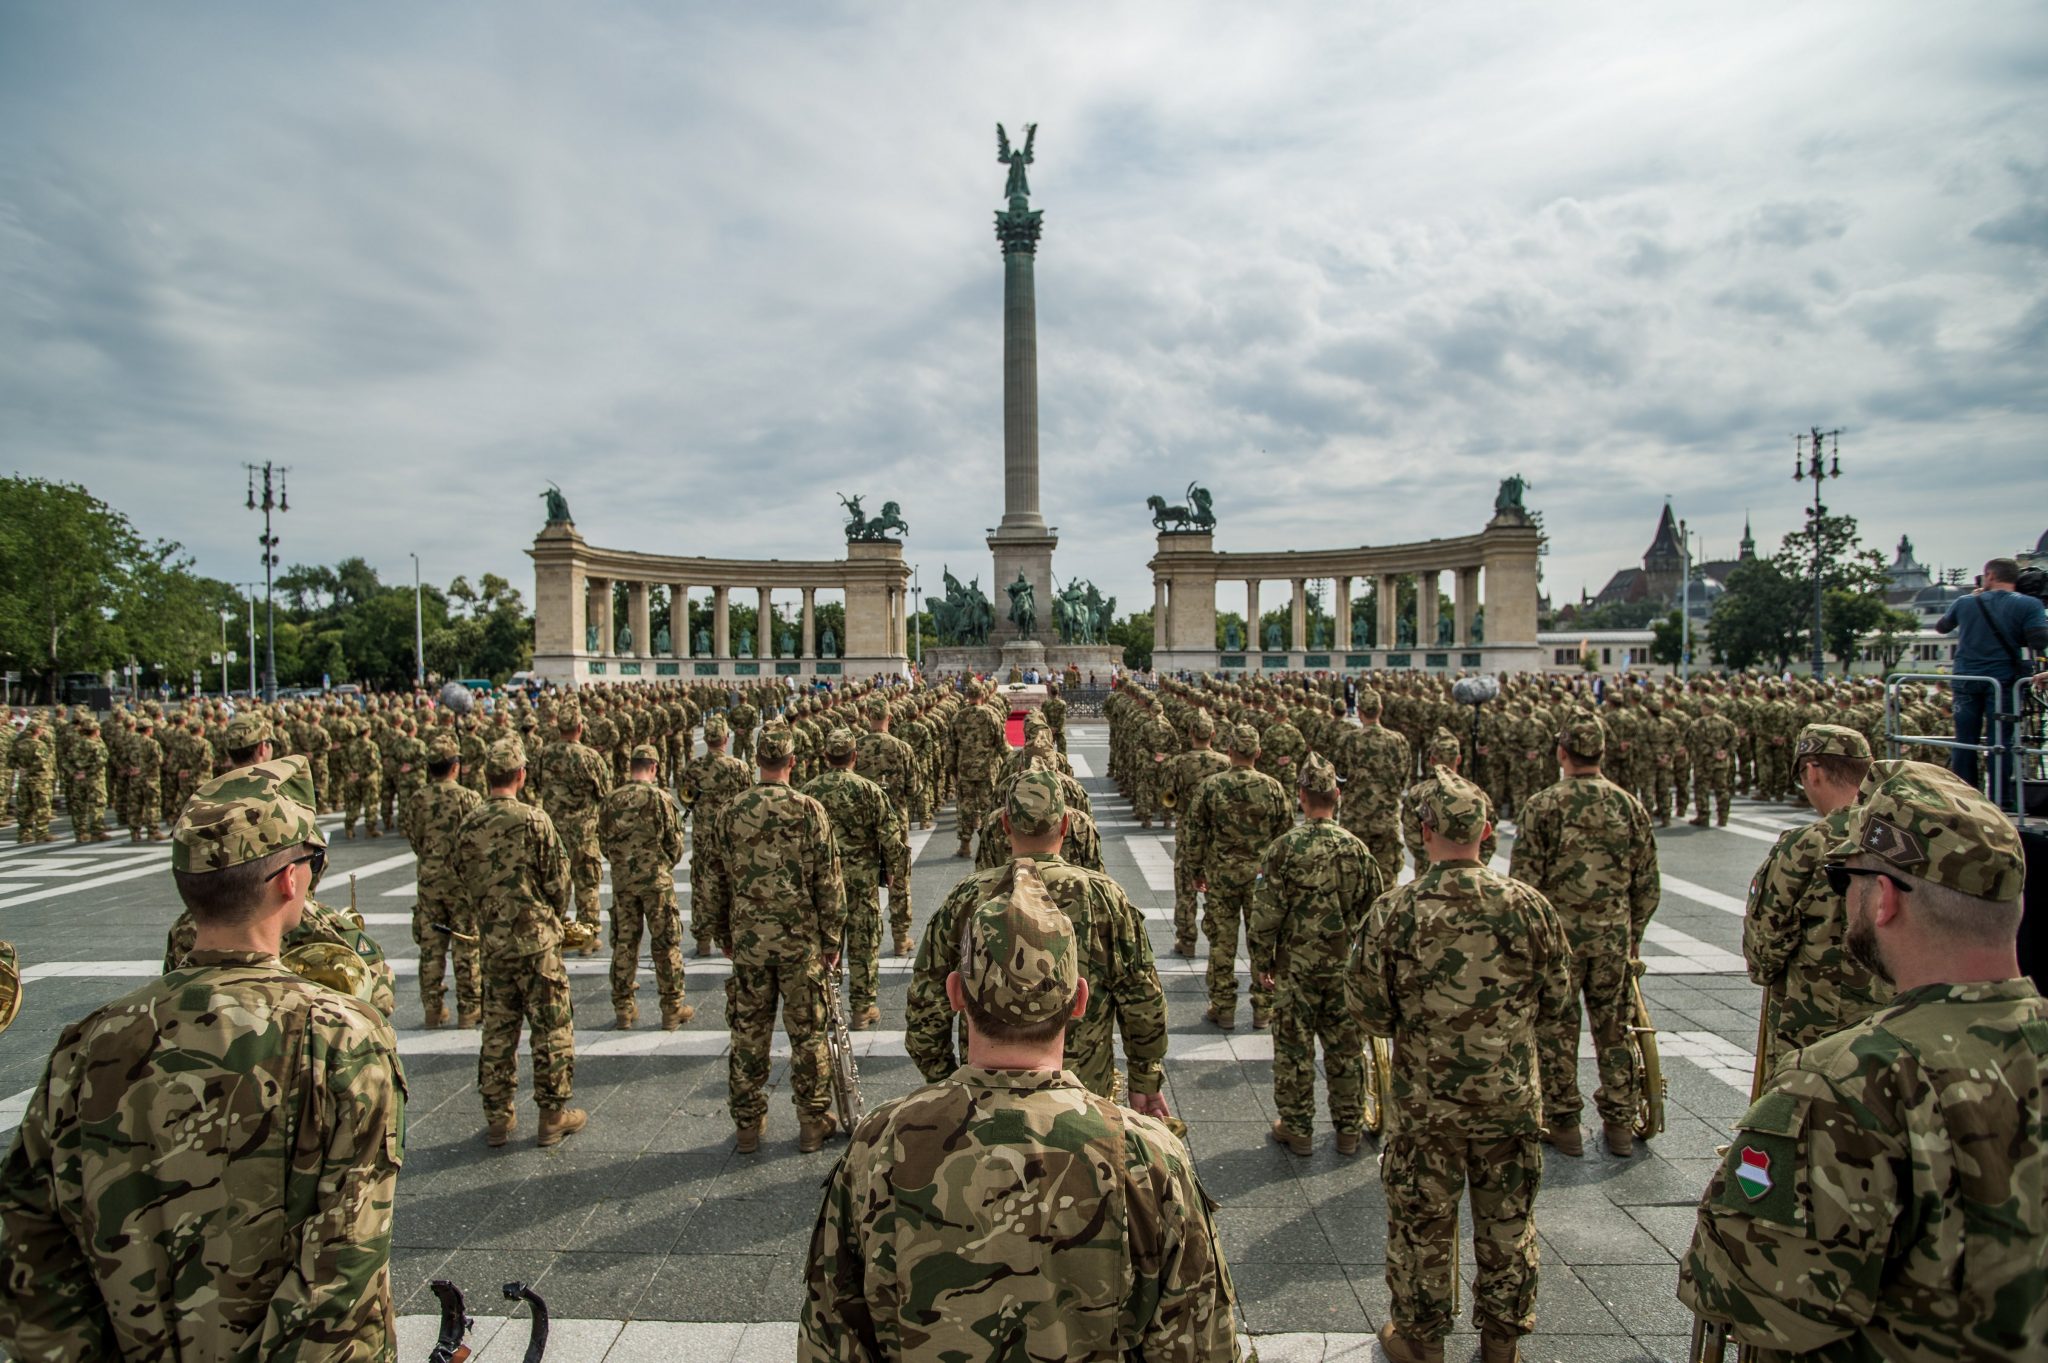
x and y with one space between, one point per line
225 616
1807 462
419 637
275 498
1684 604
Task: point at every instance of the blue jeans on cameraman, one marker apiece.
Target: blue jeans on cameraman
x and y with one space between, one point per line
1977 711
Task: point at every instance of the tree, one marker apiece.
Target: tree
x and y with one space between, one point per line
1667 646
1134 634
1757 618
1848 618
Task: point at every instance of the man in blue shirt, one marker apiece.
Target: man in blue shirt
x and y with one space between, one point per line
1997 625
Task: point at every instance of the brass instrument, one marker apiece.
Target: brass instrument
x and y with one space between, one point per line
10 985
1168 798
1379 1064
577 935
1710 1341
333 965
846 1095
1642 1058
354 915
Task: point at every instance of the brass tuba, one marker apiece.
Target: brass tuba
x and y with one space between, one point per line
1169 798
1642 1054
334 965
10 985
846 1095
578 935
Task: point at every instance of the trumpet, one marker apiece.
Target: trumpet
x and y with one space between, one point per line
331 964
1169 798
846 1095
10 985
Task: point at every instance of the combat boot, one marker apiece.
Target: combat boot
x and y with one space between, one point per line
1565 1140
626 1018
1700 822
1349 1141
904 946
557 1122
703 949
348 835
1300 1145
812 1129
1402 1348
672 1018
749 1136
500 1130
864 1019
1184 949
155 835
1620 1139
1495 1348
1212 1016
466 1017
370 831
436 1015
1262 1018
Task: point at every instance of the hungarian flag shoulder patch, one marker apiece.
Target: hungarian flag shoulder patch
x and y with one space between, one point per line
1761 1179
1753 1173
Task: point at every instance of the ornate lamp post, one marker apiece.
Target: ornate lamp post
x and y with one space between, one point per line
276 499
1807 462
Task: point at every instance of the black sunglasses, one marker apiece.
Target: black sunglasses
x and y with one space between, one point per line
318 856
1840 876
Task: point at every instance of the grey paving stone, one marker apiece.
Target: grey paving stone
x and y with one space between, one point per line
1293 1297
661 1341
596 1285
710 1287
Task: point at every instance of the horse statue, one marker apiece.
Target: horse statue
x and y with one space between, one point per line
890 517
1169 518
1204 513
1023 605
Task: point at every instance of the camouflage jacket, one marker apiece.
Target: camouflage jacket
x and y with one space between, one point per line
207 1171
1711 734
1883 1197
433 819
1315 886
1586 844
779 891
1081 847
360 760
978 743
1116 959
1411 825
1235 815
710 783
1006 1175
515 877
866 829
1375 765
578 779
640 830
318 923
1461 967
1185 772
887 761
86 768
1793 937
1281 749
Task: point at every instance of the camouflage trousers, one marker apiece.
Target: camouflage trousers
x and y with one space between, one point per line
436 947
701 872
1307 1008
1745 763
359 799
323 796
1186 906
32 803
899 900
1773 770
863 944
1715 784
88 811
1425 1174
975 800
758 982
654 913
387 787
1145 789
143 814
533 990
586 868
1226 920
1599 974
743 745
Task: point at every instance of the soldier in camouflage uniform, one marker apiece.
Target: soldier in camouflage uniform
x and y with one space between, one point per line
1464 969
442 921
778 908
1235 815
1587 845
1445 753
888 761
578 780
710 783
1116 955
1315 886
145 775
35 771
1710 744
977 739
1184 776
1883 1195
745 719
516 883
86 780
359 766
1794 934
1055 711
207 1169
867 828
1089 1215
1374 763
641 831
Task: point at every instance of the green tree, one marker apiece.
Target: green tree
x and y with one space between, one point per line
1667 643
1133 634
64 559
1758 618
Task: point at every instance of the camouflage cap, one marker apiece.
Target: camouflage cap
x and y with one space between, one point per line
1036 804
1583 735
775 745
1928 823
1202 725
503 758
568 718
716 728
1244 741
840 744
1832 740
876 707
644 752
1368 701
1020 963
1443 748
247 814
1318 777
444 748
1455 808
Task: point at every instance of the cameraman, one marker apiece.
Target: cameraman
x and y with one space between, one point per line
1997 625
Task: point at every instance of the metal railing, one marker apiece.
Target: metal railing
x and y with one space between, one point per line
2012 746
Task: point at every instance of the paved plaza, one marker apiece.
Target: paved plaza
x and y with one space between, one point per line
651 1239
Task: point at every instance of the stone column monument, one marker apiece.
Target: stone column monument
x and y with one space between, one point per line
1022 542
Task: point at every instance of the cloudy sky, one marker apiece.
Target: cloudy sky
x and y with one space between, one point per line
706 266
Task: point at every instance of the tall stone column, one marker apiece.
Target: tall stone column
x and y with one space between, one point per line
1464 596
764 622
810 639
1343 615
1390 610
1426 588
637 619
1299 625
1160 605
598 595
1022 542
1253 640
679 641
721 622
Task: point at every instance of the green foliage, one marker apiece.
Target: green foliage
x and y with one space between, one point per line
1667 644
1758 619
1617 615
1767 613
1134 634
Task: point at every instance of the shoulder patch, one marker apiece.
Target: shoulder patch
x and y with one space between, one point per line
1761 1175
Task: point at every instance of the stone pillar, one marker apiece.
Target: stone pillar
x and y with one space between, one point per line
1342 618
1426 588
1390 609
598 605
1464 596
721 622
1299 626
764 622
679 642
1020 383
810 639
1160 605
1253 640
637 619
